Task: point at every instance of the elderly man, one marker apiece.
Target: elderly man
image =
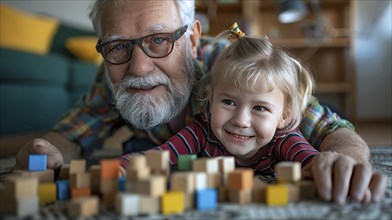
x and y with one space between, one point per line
151 75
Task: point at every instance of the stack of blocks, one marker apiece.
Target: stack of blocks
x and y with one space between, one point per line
149 187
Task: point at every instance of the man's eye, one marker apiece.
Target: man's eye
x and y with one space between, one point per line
158 40
228 102
259 108
119 46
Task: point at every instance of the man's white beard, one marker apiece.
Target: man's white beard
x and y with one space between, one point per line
145 111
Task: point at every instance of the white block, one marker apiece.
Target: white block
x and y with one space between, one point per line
127 204
200 180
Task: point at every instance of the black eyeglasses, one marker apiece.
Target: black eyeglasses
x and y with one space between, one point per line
155 46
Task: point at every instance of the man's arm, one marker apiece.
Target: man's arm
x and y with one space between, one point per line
347 142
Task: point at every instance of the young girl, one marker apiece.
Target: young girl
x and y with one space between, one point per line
254 101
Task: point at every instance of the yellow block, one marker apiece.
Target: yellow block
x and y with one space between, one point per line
47 193
277 194
172 203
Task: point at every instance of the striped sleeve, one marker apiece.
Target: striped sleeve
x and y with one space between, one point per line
294 147
187 141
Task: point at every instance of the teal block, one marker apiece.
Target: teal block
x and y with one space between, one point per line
185 161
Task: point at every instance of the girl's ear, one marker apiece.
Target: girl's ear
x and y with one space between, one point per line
286 118
195 37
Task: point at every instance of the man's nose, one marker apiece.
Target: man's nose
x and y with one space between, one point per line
140 63
241 118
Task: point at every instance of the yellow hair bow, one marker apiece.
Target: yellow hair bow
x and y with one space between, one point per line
235 30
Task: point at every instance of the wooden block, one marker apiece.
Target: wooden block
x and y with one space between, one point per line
63 190
77 166
81 192
200 180
243 196
47 193
259 190
214 180
149 205
172 203
131 187
223 194
293 192
137 174
206 199
307 190
37 162
46 176
158 160
205 164
277 194
83 207
108 186
137 162
153 186
183 182
110 169
109 199
79 180
185 162
240 179
127 204
22 207
20 187
226 164
189 201
64 172
288 171
95 179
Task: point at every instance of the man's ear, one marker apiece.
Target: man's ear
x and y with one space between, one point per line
195 37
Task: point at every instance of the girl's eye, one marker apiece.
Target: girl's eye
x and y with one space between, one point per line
228 102
259 108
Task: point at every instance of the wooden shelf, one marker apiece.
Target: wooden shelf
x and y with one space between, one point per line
332 88
303 43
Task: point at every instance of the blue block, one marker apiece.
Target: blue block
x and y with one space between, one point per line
206 199
63 190
122 180
37 162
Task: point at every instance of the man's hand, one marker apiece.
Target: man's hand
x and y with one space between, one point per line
338 177
39 146
59 149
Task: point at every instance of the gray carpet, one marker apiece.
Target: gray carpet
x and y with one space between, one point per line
316 209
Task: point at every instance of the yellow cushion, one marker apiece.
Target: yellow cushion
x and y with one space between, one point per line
26 32
84 49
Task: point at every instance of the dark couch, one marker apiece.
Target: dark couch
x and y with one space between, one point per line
36 90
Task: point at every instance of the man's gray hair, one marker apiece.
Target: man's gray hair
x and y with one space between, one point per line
186 8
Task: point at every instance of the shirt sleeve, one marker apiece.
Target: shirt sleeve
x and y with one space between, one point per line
294 147
318 121
91 119
189 140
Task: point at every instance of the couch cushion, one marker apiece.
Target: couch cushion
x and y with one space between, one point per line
27 67
81 78
63 34
26 32
31 107
84 49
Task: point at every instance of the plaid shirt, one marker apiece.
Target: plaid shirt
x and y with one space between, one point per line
94 118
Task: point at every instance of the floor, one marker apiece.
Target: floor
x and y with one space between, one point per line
375 133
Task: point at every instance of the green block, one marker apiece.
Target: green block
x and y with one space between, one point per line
185 161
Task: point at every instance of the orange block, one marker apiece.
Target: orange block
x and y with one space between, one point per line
77 193
110 169
240 179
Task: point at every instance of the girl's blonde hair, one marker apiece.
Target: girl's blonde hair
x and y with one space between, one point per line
253 62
